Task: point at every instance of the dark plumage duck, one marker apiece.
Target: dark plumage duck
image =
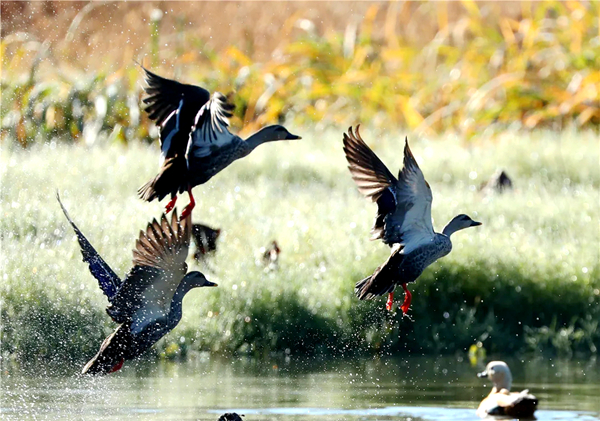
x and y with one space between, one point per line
205 238
194 136
403 219
500 401
147 303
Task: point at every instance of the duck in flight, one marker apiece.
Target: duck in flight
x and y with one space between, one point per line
147 303
403 220
195 140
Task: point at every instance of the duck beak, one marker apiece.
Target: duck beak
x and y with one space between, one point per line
210 284
483 373
292 137
475 223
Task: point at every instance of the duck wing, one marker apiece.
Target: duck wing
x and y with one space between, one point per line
108 281
372 178
164 95
211 127
404 204
412 226
159 266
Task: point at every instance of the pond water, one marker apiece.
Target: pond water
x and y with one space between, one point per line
417 388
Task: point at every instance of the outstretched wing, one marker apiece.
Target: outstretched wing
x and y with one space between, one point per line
414 197
404 204
374 180
163 96
211 127
159 266
108 281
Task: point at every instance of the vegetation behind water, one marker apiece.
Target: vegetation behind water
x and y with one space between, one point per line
467 68
527 279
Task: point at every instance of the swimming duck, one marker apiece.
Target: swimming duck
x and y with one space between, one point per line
500 401
147 303
403 219
194 137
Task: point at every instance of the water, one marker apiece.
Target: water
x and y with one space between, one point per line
400 389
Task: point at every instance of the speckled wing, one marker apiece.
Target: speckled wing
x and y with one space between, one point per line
163 96
211 127
159 266
108 281
413 213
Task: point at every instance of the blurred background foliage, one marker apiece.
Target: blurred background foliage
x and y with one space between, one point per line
474 68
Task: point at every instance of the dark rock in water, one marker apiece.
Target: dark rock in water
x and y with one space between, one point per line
205 238
498 182
230 416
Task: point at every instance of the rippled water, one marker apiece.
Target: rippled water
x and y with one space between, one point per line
384 389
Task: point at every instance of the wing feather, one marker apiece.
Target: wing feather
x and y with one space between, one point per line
108 281
159 265
403 204
414 192
163 96
211 127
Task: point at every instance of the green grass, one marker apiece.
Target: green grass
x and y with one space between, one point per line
528 279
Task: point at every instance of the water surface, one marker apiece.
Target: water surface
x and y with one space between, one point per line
417 388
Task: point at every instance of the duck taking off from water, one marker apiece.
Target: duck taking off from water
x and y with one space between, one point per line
500 401
147 303
195 141
403 219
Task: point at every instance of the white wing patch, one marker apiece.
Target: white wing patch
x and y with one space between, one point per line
211 127
417 228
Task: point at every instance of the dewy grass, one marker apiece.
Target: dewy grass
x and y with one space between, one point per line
527 279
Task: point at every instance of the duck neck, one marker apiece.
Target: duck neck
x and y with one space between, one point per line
450 229
257 138
176 303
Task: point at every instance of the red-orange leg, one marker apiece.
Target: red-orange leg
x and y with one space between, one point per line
390 301
170 205
407 299
188 209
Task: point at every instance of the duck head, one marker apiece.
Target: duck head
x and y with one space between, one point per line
270 134
196 279
458 223
499 373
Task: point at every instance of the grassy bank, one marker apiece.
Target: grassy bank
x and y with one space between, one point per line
528 279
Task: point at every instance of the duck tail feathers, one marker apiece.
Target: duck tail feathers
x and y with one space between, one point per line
147 192
112 353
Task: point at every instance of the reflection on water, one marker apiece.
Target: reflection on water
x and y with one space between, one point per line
417 388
